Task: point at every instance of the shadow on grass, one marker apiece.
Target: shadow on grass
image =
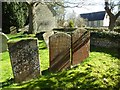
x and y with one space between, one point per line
42 48
114 52
42 45
46 72
21 36
40 35
8 82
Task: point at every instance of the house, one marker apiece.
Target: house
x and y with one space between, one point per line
96 19
119 6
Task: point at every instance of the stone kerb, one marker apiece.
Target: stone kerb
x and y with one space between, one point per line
80 46
59 51
3 44
24 59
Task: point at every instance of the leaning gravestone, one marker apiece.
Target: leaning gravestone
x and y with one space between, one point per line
46 36
59 50
3 44
24 59
80 45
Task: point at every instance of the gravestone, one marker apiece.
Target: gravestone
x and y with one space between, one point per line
80 45
3 42
46 36
59 50
24 59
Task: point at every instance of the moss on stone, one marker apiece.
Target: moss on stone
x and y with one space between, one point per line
23 39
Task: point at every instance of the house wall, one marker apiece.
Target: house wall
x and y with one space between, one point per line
95 23
89 23
119 6
106 20
101 23
98 23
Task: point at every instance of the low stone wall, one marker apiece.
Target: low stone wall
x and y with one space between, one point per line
105 39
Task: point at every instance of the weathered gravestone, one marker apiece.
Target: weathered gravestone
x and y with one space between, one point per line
80 45
3 42
24 59
46 36
59 50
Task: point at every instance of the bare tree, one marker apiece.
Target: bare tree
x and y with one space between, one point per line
112 17
31 16
31 13
54 3
80 22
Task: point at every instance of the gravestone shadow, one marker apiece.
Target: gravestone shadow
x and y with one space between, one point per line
114 52
46 72
40 35
8 82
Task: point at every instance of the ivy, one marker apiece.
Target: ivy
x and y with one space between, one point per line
106 34
14 14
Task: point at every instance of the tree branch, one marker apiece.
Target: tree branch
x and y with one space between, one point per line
108 10
66 4
78 5
117 15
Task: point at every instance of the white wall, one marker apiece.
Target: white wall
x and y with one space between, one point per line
106 20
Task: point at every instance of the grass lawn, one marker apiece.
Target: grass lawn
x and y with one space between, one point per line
100 70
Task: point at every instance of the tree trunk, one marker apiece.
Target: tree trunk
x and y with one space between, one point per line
112 23
112 17
31 16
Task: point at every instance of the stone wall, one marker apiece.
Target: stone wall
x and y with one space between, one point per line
105 39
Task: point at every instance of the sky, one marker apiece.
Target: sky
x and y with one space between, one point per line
98 6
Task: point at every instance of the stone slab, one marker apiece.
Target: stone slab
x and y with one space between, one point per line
24 59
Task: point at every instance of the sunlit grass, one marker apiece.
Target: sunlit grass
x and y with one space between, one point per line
100 70
5 67
44 55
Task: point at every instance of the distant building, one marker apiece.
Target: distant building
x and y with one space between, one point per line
119 6
96 19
